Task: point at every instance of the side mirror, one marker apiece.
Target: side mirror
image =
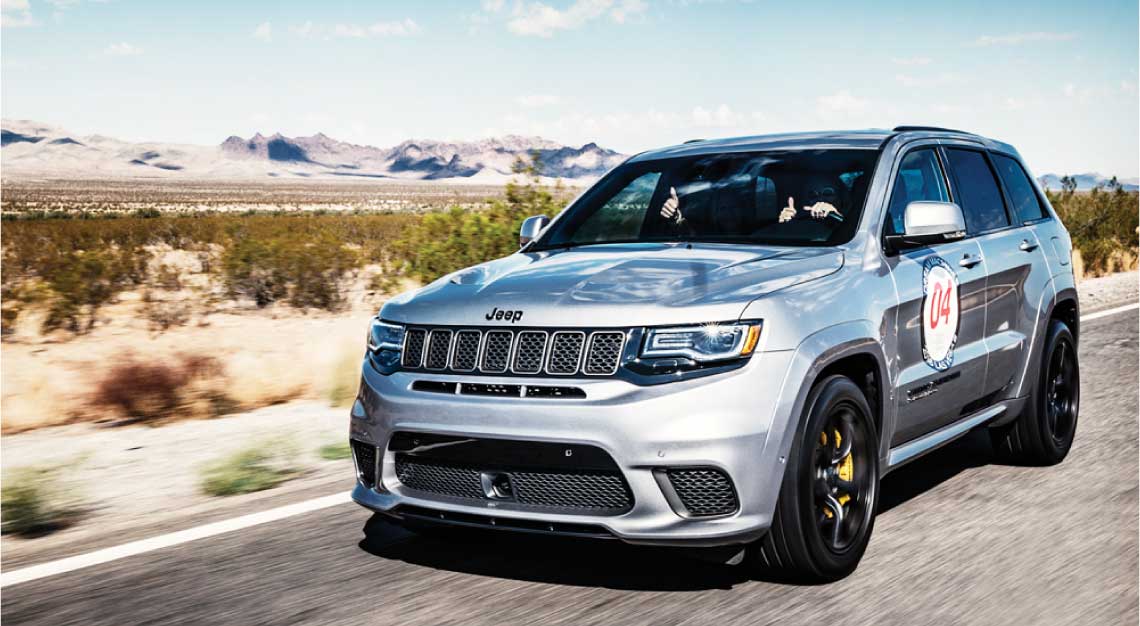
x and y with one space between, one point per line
532 228
928 223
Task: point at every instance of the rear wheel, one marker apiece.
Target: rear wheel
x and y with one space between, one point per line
826 508
1043 433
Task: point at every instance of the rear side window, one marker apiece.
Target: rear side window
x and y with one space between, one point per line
977 191
1026 204
919 178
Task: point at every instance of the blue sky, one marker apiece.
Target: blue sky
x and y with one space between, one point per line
1057 79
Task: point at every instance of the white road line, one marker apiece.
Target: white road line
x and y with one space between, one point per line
115 553
1105 313
106 555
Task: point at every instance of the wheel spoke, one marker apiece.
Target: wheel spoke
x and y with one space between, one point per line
846 434
837 509
848 487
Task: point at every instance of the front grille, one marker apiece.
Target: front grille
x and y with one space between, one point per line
365 456
580 491
529 352
704 491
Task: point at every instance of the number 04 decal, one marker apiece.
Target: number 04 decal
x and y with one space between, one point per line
940 311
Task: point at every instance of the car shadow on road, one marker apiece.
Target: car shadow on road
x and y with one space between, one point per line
615 565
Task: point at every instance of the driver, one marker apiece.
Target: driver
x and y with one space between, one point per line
822 198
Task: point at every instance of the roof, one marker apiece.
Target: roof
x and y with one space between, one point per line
857 139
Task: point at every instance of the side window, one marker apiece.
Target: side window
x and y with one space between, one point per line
620 218
977 190
919 178
1026 204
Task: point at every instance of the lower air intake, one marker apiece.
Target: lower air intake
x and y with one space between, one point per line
365 457
704 491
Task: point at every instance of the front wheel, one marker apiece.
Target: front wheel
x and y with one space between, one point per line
826 508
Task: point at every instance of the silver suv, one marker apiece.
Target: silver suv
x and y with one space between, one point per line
727 344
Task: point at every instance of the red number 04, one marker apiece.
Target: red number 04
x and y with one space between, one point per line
940 304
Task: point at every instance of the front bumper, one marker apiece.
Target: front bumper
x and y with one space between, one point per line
722 421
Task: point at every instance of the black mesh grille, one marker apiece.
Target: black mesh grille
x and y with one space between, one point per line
496 351
439 343
365 455
565 352
414 342
604 352
435 477
466 350
573 491
529 352
579 490
704 491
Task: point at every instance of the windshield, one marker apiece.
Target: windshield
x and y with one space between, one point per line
801 197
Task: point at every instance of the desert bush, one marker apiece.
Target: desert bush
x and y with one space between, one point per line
34 501
441 243
148 391
260 466
334 451
344 380
1103 224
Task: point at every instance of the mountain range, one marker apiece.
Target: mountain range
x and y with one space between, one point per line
32 149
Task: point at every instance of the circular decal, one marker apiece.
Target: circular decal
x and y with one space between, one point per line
940 310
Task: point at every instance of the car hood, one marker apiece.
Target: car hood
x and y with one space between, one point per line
613 285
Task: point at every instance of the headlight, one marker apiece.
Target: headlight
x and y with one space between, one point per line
707 342
385 336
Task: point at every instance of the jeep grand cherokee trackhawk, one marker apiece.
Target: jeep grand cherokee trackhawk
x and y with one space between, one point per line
729 343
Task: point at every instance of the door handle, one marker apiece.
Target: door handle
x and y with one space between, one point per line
970 260
1027 246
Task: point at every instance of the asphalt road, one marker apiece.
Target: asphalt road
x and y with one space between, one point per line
960 540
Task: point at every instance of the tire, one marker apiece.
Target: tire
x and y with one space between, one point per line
1043 433
805 543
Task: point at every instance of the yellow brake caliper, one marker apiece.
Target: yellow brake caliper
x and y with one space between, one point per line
846 470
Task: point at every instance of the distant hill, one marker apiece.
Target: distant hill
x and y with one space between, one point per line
1086 182
39 150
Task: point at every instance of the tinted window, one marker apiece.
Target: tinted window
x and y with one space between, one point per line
919 178
977 191
781 197
1026 205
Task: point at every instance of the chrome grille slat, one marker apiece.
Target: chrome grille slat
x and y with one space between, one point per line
465 354
414 341
439 346
496 351
530 348
565 352
604 353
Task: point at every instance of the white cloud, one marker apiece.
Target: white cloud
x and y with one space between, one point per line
936 80
537 100
122 49
840 104
494 6
910 61
541 20
263 32
1014 104
15 13
398 28
1017 39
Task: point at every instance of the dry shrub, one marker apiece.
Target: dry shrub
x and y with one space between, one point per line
187 385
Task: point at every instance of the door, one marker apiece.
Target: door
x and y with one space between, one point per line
1016 269
940 315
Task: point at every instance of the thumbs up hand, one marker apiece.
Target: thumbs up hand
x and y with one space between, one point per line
789 212
671 207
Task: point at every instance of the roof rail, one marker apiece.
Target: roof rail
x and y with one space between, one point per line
903 129
695 141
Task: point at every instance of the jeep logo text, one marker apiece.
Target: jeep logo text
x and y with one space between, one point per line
510 316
